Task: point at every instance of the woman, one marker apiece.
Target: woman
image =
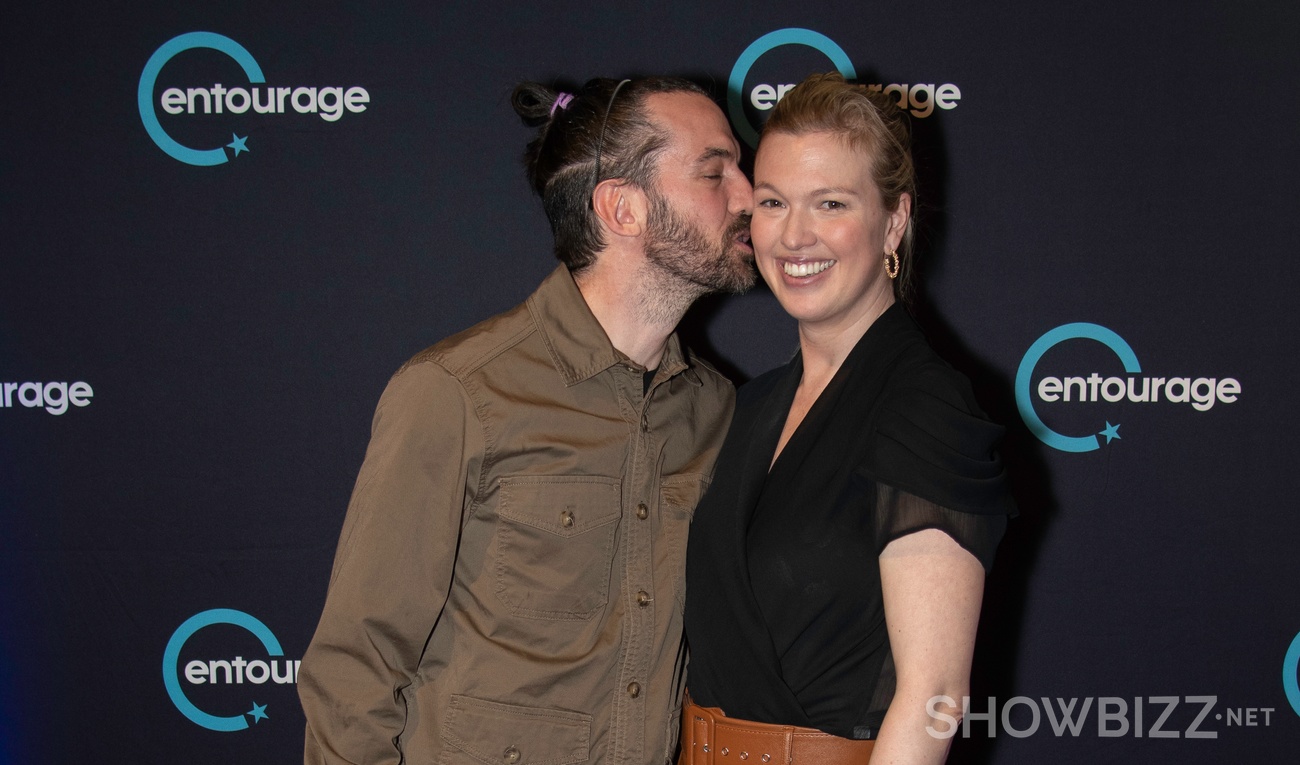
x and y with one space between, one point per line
835 568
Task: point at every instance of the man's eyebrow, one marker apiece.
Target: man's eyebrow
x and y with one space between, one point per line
714 153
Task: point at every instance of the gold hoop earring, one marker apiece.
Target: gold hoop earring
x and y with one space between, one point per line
892 264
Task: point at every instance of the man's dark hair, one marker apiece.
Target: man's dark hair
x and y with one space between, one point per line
600 132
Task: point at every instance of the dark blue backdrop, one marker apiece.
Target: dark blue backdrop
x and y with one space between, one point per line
1122 165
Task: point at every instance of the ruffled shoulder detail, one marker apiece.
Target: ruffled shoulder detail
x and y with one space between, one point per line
933 441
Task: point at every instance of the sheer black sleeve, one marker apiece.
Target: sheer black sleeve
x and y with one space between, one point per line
935 461
899 513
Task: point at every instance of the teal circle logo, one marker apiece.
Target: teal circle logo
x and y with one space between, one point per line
144 96
791 36
1024 379
171 668
1290 668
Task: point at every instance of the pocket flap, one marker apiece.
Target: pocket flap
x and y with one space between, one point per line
494 733
683 490
563 505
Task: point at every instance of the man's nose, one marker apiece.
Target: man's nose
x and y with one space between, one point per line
740 195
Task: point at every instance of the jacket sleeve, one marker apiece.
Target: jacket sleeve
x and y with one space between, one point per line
393 568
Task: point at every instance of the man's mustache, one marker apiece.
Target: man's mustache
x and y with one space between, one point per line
739 226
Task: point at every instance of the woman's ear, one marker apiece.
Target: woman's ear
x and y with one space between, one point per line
898 218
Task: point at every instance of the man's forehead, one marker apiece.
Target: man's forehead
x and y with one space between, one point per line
695 125
678 101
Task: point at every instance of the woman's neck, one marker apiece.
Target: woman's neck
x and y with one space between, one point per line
824 348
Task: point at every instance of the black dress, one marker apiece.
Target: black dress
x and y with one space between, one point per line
784 613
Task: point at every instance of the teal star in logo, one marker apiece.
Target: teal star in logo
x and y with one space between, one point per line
239 144
258 713
1111 432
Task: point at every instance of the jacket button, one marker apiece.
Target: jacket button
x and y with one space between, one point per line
634 689
642 511
512 754
643 598
566 519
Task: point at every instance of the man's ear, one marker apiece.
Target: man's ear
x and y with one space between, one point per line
621 207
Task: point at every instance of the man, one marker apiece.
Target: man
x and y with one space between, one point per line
508 585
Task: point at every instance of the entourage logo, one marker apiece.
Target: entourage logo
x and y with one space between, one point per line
1291 674
1202 393
54 397
329 103
225 671
918 99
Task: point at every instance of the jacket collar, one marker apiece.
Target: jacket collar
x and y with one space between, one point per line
578 345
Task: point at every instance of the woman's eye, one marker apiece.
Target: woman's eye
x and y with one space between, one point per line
831 204
769 203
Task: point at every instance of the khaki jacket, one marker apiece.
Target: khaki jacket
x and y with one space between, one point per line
508 585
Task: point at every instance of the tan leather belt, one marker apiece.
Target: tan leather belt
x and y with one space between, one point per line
709 737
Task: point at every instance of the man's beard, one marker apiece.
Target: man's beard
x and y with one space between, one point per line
679 250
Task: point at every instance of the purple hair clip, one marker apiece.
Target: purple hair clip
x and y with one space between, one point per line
561 102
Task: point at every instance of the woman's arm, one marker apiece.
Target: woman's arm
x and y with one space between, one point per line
932 589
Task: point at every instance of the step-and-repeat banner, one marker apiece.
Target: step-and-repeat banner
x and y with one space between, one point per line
224 228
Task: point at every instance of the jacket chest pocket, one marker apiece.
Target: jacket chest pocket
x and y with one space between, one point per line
555 542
